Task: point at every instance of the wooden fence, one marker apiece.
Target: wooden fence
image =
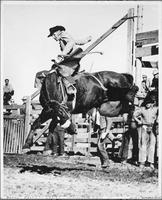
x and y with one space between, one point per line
17 125
13 135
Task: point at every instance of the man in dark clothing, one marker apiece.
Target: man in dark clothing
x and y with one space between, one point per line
155 80
55 140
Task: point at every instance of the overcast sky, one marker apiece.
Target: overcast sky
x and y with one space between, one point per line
27 50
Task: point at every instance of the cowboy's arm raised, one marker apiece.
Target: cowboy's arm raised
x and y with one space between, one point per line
83 41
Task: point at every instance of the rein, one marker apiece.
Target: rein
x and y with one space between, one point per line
61 105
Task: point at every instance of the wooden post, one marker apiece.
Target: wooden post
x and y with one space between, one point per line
27 117
130 41
138 64
139 18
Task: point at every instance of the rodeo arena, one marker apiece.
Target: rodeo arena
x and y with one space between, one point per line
90 135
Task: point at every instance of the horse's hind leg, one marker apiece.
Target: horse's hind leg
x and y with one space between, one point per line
43 117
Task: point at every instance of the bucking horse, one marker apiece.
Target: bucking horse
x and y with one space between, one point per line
110 92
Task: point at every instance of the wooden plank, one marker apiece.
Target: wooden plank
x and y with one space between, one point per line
116 119
102 37
82 140
21 137
93 149
73 142
118 130
82 130
146 51
82 135
6 127
9 135
4 135
82 145
13 116
77 140
27 117
13 107
148 64
37 148
145 38
36 93
42 131
18 137
36 105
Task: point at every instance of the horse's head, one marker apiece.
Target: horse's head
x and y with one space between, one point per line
51 97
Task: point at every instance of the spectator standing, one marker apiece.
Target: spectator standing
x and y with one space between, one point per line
8 92
145 117
55 141
141 94
102 127
128 151
155 80
146 80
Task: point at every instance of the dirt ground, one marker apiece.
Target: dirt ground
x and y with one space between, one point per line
37 176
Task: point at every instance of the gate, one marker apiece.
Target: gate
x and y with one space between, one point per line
13 133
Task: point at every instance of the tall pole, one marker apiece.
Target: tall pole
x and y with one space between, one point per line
130 41
138 64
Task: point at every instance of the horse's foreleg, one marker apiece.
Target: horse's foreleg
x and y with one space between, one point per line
43 117
47 148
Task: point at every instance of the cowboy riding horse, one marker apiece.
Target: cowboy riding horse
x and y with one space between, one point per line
110 92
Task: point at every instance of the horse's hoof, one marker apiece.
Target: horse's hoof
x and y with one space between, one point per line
47 152
25 151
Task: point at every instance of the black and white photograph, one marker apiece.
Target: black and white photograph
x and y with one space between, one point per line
80 99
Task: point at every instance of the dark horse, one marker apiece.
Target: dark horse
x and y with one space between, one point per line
91 89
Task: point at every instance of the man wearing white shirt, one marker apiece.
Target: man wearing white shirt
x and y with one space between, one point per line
8 92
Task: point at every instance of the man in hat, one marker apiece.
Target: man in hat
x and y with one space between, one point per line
146 80
146 116
68 46
155 80
8 92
